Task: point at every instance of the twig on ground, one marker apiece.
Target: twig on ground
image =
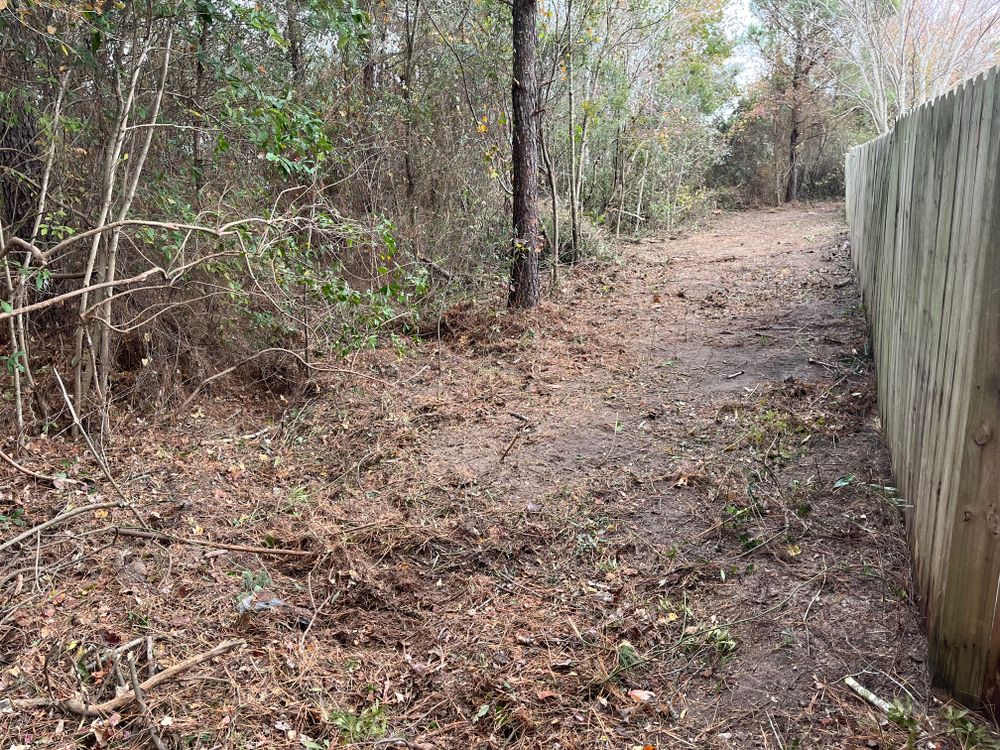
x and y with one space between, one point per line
160 536
56 521
510 446
140 699
113 653
34 474
774 729
867 694
330 598
82 708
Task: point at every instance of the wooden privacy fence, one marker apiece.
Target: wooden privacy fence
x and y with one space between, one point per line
923 206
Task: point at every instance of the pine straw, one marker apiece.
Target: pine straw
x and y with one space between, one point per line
664 572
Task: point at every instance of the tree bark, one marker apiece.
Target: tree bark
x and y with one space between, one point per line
554 197
525 286
574 206
294 43
200 161
406 80
792 186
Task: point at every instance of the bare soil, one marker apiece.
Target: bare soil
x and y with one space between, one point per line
657 512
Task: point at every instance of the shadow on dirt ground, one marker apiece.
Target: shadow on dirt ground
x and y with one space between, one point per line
656 512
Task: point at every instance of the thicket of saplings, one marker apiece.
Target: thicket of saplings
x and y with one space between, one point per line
198 193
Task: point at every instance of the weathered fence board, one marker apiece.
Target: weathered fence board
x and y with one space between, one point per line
923 206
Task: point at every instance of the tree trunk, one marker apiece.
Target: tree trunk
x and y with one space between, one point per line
574 219
525 286
407 86
554 197
294 43
200 161
792 186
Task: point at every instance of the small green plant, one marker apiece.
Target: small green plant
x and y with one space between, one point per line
586 542
675 612
247 519
12 363
297 498
198 739
608 564
723 642
14 518
481 713
750 542
844 481
592 536
253 583
735 515
719 640
502 718
138 619
971 734
368 725
902 715
627 658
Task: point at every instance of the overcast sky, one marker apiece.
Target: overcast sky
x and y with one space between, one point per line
738 19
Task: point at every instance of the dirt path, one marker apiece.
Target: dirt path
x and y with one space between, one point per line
700 424
653 513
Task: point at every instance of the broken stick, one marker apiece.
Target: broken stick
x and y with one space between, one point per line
140 699
82 708
160 536
867 694
55 521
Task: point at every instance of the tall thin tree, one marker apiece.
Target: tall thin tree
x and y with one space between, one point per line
525 285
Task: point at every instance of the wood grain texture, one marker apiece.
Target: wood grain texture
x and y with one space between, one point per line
923 207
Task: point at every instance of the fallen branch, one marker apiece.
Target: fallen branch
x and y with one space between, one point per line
160 536
82 708
510 446
867 694
90 443
113 653
34 474
137 691
56 521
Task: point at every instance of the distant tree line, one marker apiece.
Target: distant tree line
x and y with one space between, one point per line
189 185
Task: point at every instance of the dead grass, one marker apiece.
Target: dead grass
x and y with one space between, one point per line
570 529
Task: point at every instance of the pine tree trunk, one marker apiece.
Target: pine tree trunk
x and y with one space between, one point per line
792 186
525 286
